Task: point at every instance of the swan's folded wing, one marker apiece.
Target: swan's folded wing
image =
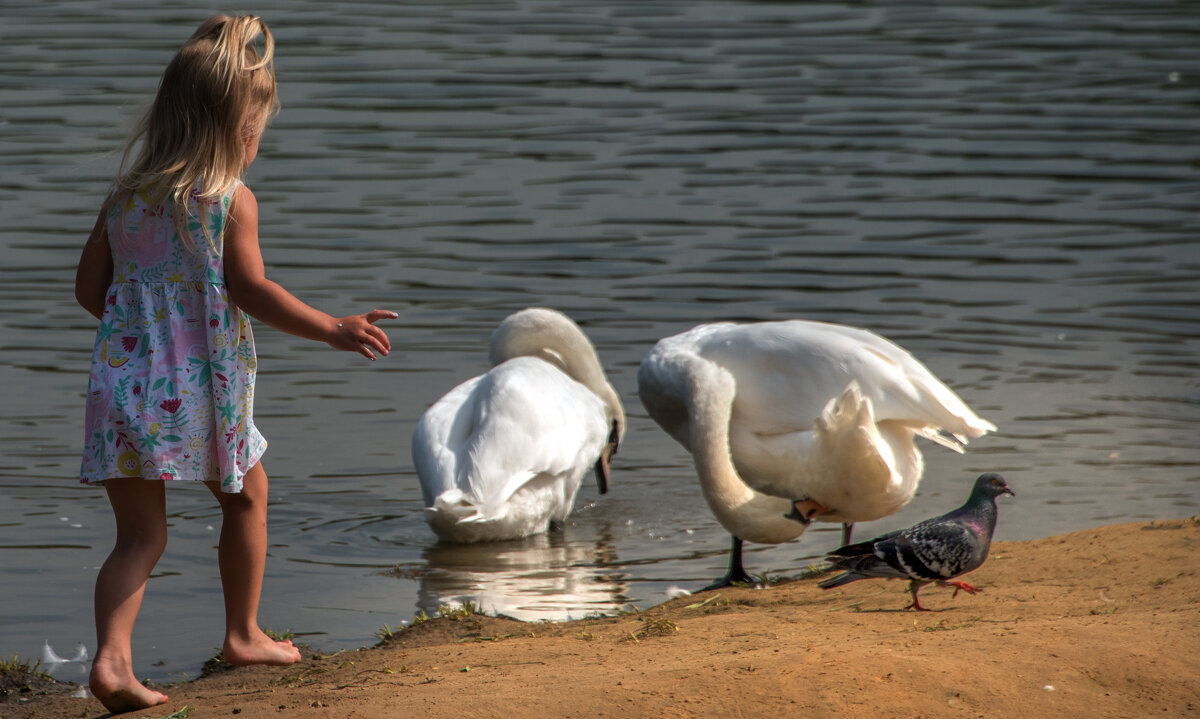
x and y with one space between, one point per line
900 386
531 422
438 441
908 390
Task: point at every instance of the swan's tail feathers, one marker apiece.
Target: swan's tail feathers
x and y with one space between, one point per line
851 409
850 444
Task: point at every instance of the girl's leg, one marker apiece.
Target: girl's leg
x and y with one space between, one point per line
242 556
139 507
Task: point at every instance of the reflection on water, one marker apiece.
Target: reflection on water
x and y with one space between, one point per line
1008 190
542 578
73 666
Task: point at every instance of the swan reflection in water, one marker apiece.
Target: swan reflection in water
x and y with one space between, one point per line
546 577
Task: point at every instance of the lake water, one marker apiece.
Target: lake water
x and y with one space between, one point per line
1009 190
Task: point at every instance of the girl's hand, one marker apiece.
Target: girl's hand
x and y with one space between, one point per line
267 301
358 333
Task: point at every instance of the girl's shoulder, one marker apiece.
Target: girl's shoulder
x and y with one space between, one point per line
242 204
240 190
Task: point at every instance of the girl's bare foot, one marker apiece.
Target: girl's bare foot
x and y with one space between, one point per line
113 683
258 648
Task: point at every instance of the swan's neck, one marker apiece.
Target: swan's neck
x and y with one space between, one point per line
745 513
554 338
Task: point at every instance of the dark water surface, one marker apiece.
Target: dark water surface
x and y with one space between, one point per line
1010 190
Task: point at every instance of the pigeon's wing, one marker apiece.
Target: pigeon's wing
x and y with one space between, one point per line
932 550
862 548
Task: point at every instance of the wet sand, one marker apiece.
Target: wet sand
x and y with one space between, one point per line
1099 623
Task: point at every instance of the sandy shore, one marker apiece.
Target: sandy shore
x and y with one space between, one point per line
1099 623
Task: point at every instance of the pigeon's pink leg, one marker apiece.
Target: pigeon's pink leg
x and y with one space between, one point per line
963 586
913 586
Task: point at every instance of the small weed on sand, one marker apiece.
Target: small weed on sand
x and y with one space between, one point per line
654 627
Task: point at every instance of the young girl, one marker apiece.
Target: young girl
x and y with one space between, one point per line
171 269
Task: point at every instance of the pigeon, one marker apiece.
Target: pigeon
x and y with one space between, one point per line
935 550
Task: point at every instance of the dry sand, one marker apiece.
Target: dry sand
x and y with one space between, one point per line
1099 623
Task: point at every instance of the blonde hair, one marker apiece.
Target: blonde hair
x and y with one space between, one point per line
217 91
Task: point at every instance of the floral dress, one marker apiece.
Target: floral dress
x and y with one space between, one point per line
171 389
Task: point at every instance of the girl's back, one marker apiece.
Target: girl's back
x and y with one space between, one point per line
173 369
146 246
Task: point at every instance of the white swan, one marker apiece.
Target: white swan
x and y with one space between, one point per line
799 418
502 455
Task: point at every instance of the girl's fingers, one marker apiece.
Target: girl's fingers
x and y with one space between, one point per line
364 349
376 315
373 341
380 337
371 337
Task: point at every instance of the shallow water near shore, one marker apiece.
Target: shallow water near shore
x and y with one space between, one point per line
1010 192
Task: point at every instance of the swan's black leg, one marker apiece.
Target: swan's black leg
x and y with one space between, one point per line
737 573
847 527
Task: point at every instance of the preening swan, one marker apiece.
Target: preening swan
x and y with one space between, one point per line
502 455
794 420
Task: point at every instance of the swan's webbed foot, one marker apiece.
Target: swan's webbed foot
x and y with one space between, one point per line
803 511
737 573
731 579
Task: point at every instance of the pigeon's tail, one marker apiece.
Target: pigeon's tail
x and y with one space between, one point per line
839 580
856 566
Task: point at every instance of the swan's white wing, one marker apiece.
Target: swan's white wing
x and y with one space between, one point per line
445 427
524 424
902 388
532 421
788 371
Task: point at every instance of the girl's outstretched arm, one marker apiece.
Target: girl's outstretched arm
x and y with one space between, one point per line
95 271
265 300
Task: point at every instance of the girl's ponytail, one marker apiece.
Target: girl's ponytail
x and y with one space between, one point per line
233 54
217 91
